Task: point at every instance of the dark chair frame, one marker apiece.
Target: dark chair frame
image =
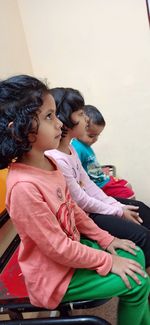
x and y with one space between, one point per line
72 320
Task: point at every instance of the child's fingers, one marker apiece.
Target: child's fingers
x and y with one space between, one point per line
139 219
129 249
131 207
132 270
112 251
124 244
136 267
136 216
134 277
131 244
125 280
134 220
127 246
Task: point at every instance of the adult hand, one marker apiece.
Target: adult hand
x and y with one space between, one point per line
125 266
125 244
130 213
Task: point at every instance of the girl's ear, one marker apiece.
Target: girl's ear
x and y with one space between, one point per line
11 127
13 134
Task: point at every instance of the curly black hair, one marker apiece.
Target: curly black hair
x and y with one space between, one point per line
20 99
67 101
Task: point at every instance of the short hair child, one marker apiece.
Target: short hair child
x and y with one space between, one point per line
121 220
57 265
94 115
111 185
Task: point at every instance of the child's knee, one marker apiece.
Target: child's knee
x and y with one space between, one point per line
128 185
145 285
140 258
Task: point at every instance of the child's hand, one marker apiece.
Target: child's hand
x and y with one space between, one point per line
129 212
125 244
124 266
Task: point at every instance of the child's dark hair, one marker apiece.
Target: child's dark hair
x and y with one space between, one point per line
94 115
20 99
67 101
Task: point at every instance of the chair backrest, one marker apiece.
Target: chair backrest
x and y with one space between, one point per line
8 238
3 175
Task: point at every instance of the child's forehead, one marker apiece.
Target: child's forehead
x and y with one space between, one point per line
48 104
95 129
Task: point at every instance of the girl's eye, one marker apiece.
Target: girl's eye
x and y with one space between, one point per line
48 116
91 136
81 113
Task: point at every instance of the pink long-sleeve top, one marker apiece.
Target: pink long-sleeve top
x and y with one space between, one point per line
49 224
82 189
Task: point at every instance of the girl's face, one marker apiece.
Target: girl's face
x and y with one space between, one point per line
91 134
82 120
49 132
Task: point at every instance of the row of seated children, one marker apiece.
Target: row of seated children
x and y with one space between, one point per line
121 217
111 185
57 263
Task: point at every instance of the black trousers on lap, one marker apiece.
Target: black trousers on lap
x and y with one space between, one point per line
125 229
144 210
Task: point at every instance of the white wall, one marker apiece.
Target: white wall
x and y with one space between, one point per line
14 55
14 59
101 47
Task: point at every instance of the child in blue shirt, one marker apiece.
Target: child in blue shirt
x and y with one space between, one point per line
110 185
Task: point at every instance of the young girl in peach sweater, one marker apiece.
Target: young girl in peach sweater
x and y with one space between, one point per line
57 264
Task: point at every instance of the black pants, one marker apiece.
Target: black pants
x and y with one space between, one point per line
125 229
143 210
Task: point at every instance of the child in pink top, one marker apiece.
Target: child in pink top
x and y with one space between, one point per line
57 264
122 221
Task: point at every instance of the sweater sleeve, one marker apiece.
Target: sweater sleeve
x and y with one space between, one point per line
90 197
93 190
35 221
87 227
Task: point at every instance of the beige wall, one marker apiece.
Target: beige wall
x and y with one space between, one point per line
14 55
102 48
14 59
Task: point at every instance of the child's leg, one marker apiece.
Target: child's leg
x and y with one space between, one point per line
118 187
132 197
133 306
125 229
143 210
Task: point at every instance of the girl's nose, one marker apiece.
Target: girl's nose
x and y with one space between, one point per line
59 123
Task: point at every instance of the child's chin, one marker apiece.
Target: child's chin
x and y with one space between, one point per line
54 146
57 144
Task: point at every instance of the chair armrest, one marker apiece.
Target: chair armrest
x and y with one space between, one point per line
109 170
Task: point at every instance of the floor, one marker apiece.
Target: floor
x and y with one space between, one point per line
107 311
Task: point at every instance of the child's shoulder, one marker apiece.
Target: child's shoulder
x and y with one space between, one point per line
77 143
81 148
22 173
